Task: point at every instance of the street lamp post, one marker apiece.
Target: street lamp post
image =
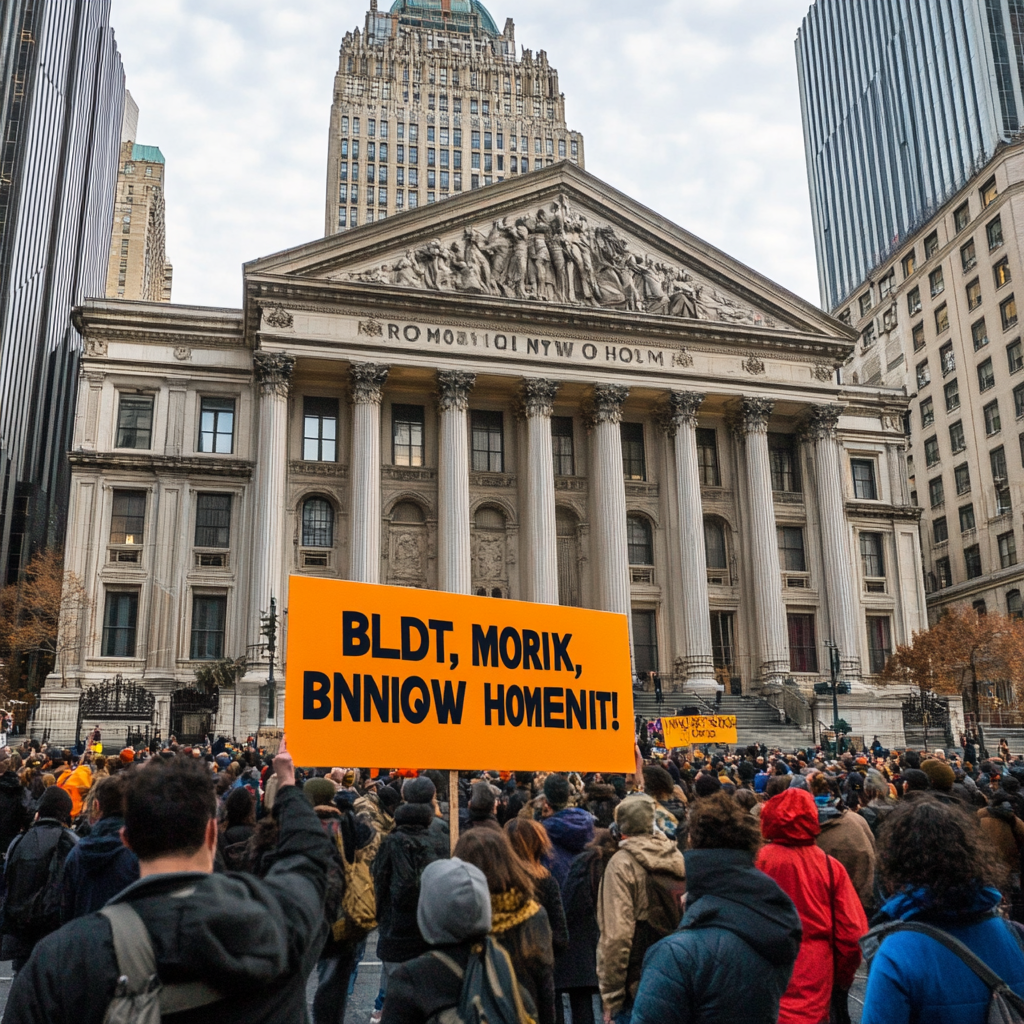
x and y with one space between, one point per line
269 630
833 653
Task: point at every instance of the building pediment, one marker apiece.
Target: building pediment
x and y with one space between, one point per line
555 238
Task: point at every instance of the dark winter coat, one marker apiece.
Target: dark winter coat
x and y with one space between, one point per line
732 957
570 831
15 809
420 989
547 893
97 869
256 941
529 948
576 967
396 878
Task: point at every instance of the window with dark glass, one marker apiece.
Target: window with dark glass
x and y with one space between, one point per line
645 641
986 375
634 464
997 460
317 523
1014 604
803 647
972 561
952 394
319 429
864 487
209 613
924 376
956 436
942 319
562 445
707 457
1008 312
927 413
946 359
979 334
120 617
879 643
918 336
936 492
866 302
1007 550
994 230
135 421
940 530
936 282
1015 356
944 572
931 450
488 431
128 517
931 245
992 422
791 549
639 540
217 425
407 435
968 256
962 476
213 521
714 545
1001 272
783 453
872 555
914 301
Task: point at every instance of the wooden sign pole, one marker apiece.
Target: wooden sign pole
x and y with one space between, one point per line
453 809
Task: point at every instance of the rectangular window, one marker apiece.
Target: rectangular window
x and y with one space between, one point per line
927 413
936 282
992 421
997 460
707 457
803 648
879 643
952 395
864 486
1001 272
940 531
135 421
962 217
217 425
488 430
931 245
918 336
994 231
931 451
936 492
791 549
967 521
407 435
974 294
645 641
634 463
1015 356
946 359
972 561
562 446
989 192
924 377
962 477
914 301
1008 311
867 336
213 521
208 617
128 517
942 319
1007 550
785 466
866 303
120 617
968 256
956 437
320 429
944 572
986 375
909 264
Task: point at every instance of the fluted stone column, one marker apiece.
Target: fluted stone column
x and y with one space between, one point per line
364 550
454 568
840 581
608 494
698 654
773 642
541 582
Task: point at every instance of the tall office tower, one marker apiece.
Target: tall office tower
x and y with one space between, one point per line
138 259
61 104
902 103
430 100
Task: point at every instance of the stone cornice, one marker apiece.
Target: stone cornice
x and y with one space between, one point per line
121 462
881 510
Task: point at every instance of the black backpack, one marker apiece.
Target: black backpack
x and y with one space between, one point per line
35 880
490 993
665 893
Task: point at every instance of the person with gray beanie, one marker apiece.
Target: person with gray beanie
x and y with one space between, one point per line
422 790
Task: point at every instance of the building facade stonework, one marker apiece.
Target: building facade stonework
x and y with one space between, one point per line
592 438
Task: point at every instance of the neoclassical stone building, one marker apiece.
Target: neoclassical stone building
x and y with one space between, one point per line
540 391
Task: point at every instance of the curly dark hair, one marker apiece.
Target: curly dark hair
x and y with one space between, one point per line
926 843
719 823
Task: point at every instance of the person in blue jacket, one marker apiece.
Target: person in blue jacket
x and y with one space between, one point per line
731 958
938 869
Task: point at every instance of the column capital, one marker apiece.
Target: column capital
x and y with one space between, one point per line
367 380
681 409
607 403
538 396
752 416
821 422
453 388
273 371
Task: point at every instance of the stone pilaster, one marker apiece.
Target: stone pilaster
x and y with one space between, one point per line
454 568
541 577
367 380
698 657
773 645
840 580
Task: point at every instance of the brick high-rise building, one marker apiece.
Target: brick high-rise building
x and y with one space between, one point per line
430 100
138 267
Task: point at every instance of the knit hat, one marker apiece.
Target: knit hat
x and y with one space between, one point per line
455 902
707 785
556 791
940 775
389 798
127 755
483 797
635 815
55 803
319 792
418 791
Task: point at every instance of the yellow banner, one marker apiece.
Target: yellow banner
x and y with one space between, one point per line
693 729
398 676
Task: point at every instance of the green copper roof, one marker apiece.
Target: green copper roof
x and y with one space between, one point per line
428 12
147 154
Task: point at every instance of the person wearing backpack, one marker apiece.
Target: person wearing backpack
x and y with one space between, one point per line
940 874
640 902
34 877
15 806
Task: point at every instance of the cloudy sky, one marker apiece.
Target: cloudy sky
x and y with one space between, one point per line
690 106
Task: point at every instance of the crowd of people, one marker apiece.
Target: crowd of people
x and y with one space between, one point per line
745 886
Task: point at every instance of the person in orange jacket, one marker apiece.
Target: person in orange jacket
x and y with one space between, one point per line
76 782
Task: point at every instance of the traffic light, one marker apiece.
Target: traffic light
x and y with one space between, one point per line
268 627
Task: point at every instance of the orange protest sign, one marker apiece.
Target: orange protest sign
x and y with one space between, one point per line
683 732
386 674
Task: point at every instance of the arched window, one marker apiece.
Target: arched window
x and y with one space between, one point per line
1014 605
407 512
317 523
638 537
714 545
489 519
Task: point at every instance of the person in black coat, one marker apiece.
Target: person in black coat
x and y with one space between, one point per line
15 807
731 959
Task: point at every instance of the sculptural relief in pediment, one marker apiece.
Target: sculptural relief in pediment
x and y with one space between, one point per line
558 254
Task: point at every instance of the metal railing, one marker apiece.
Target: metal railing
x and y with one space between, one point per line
791 703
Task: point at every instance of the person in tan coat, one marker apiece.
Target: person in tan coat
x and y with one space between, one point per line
847 836
1005 831
623 906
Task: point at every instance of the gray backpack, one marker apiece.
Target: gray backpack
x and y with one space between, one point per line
140 998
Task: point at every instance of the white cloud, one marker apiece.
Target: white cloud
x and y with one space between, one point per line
689 106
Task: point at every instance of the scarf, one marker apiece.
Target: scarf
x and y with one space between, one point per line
509 909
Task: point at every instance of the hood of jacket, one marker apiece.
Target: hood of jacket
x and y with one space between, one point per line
101 845
791 818
10 785
656 853
572 829
725 890
920 903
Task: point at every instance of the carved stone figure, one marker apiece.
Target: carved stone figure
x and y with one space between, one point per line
407 562
490 558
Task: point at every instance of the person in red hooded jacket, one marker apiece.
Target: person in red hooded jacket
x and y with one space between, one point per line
830 911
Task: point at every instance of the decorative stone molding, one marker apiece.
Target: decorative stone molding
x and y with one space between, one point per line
682 409
273 372
367 381
453 388
492 480
682 358
279 317
606 406
182 353
198 465
371 329
408 475
570 483
95 347
754 366
822 422
638 489
538 396
825 372
299 467
753 416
